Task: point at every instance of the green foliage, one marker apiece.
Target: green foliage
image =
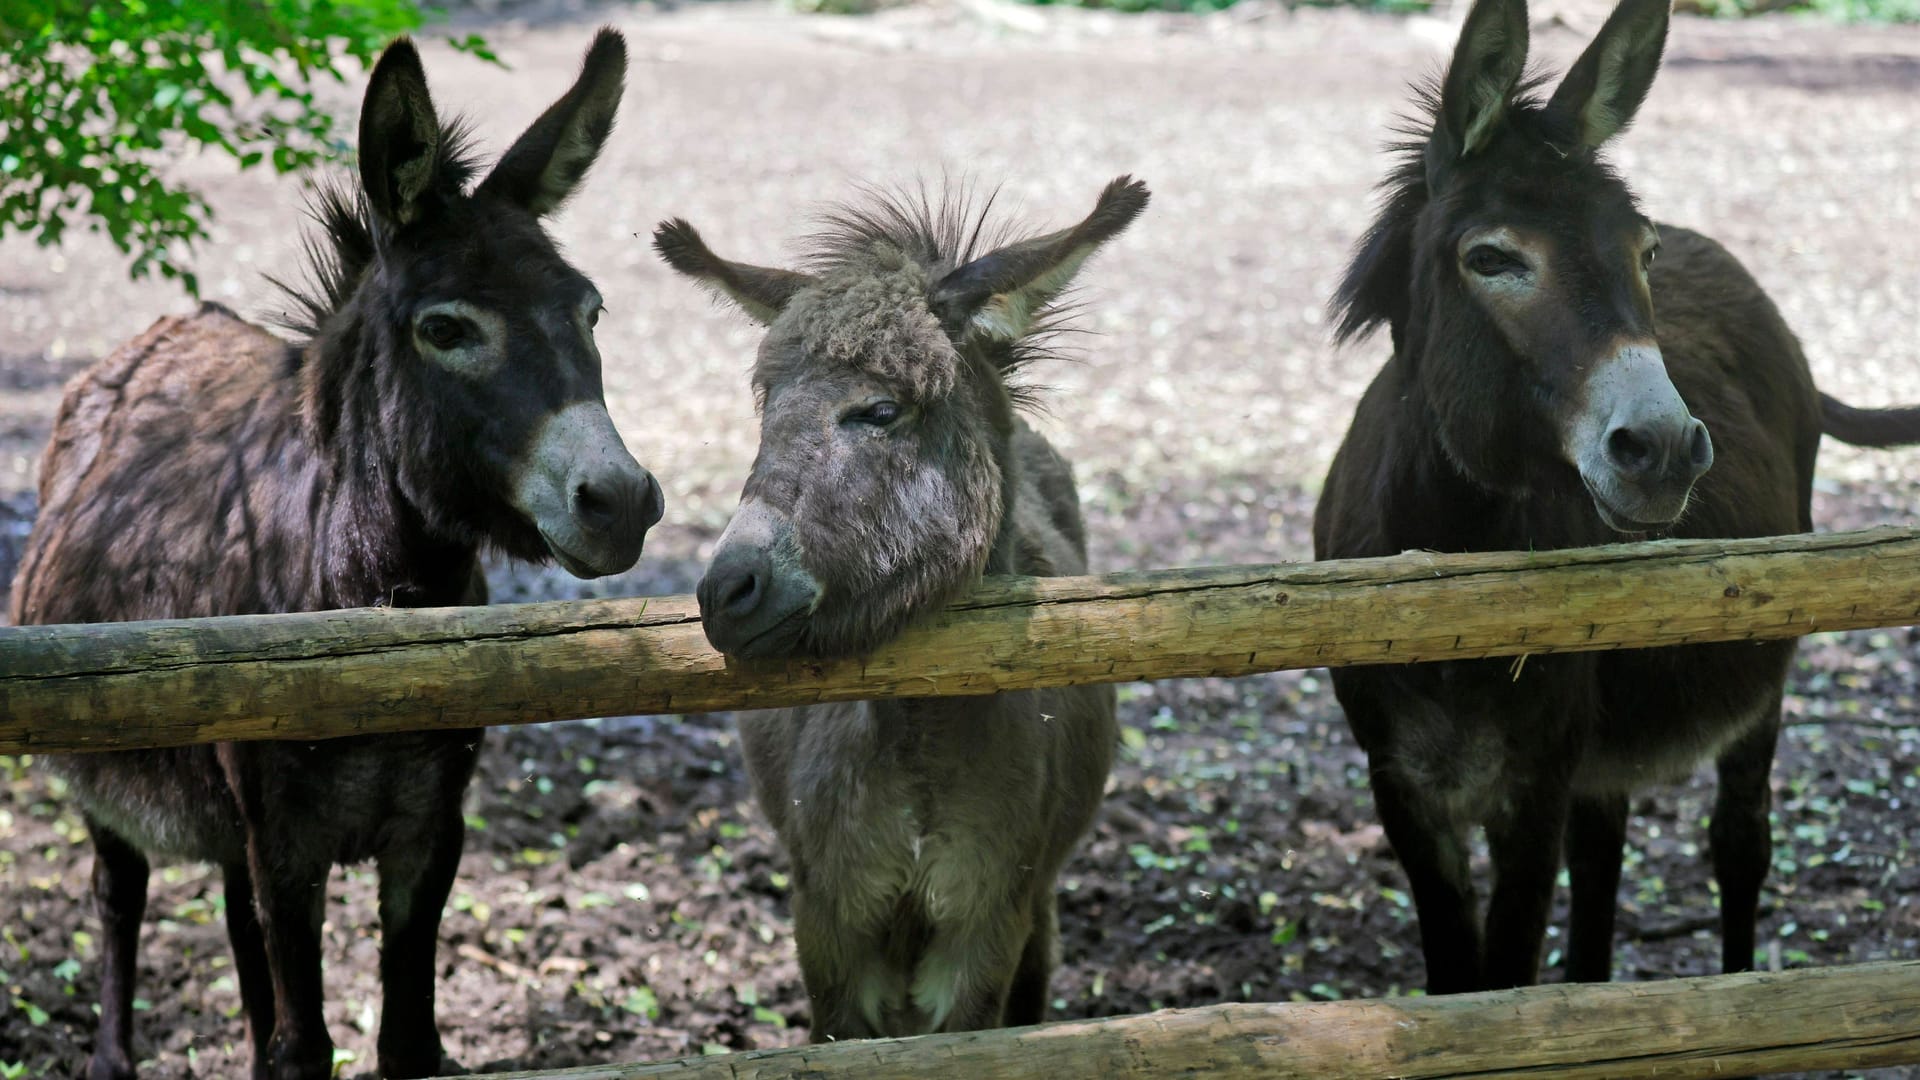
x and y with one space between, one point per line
1841 10
96 98
1201 7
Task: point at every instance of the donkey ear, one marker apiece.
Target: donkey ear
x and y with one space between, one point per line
1487 65
399 137
1605 87
546 163
998 294
761 292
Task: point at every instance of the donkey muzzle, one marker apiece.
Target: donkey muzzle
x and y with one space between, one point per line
591 501
755 596
1638 449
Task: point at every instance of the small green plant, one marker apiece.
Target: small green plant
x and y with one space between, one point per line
96 98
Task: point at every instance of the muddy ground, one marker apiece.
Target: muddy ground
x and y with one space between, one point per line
621 897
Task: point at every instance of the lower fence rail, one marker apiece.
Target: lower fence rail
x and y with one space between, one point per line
1751 1024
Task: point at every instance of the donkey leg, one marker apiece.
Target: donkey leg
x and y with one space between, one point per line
1596 833
414 883
288 860
966 975
290 900
120 899
1027 1001
839 964
1740 837
1525 845
250 964
1432 849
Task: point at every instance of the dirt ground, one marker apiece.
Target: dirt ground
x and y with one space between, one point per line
621 898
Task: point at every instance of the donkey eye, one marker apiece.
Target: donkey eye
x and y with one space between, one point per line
1489 261
443 331
593 317
1646 257
878 414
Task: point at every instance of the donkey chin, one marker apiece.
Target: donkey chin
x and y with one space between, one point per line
1639 451
591 501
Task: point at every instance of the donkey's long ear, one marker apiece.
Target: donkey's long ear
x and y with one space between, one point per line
1487 65
546 163
1605 87
399 137
998 294
761 292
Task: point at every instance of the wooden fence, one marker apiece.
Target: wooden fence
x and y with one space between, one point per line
322 674
1721 1026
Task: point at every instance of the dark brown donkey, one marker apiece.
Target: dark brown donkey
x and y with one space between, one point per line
1552 385
894 469
446 396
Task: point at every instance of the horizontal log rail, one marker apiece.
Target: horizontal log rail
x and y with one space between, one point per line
1722 1025
334 673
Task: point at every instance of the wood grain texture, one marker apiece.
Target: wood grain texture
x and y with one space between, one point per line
1719 1026
322 674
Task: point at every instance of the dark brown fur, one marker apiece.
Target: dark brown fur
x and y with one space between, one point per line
211 468
894 470
1454 447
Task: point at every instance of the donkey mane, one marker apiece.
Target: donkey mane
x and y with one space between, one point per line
338 253
1373 290
942 234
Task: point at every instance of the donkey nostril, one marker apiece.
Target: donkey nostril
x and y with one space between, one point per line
653 504
1700 448
1630 452
741 595
593 509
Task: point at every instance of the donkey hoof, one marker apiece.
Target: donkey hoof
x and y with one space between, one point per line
414 1064
103 1067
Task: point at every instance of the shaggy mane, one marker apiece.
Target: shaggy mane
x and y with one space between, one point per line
338 253
943 233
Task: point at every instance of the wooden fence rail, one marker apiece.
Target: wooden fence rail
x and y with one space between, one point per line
1723 1025
323 674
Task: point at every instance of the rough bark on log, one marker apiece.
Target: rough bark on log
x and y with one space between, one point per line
1719 1026
322 674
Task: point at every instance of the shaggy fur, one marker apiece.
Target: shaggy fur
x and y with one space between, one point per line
210 468
1453 449
926 835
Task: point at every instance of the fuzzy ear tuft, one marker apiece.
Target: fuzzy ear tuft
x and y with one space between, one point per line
547 162
761 292
999 294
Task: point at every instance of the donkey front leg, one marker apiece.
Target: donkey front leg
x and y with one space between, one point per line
1740 836
848 978
1432 849
290 899
250 964
967 972
1027 1001
414 883
1524 845
288 865
1596 836
120 899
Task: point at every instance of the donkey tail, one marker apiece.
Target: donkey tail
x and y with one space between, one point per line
1869 427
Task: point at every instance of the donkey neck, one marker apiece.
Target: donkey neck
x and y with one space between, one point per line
372 545
1430 500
